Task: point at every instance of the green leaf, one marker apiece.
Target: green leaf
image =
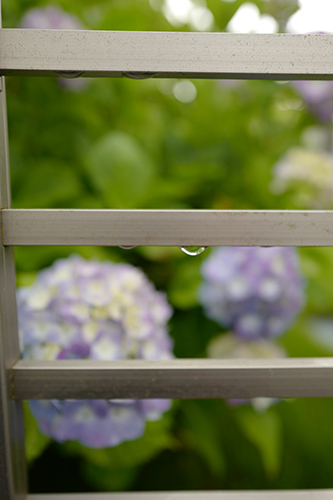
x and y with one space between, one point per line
109 480
265 432
317 266
25 279
35 441
120 170
203 435
183 290
49 184
304 338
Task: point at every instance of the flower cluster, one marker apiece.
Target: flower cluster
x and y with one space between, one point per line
307 175
79 309
254 291
54 18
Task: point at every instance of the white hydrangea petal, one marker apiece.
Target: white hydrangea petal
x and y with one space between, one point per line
238 288
45 352
39 298
269 289
90 331
105 349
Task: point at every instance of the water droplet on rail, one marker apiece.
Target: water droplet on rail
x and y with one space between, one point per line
69 74
193 251
126 247
137 75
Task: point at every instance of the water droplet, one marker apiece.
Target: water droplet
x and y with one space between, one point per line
137 75
126 247
193 251
70 74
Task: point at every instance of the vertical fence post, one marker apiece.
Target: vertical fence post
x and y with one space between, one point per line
12 457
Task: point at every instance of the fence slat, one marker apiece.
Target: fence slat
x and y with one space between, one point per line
201 495
176 379
166 54
13 484
167 227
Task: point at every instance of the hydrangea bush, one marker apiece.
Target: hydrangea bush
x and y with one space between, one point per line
254 291
79 309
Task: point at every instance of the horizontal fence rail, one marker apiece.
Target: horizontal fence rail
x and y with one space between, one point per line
176 379
167 227
166 54
193 495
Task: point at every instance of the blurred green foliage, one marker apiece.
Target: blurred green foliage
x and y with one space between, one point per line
117 143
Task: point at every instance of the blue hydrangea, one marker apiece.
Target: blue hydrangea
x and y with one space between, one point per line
254 291
79 309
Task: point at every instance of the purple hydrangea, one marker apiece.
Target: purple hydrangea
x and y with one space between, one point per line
254 291
53 17
79 309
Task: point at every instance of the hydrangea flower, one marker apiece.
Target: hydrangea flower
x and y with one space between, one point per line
79 309
307 175
254 291
229 346
54 17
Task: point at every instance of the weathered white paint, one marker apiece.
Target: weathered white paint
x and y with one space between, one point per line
167 54
13 484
